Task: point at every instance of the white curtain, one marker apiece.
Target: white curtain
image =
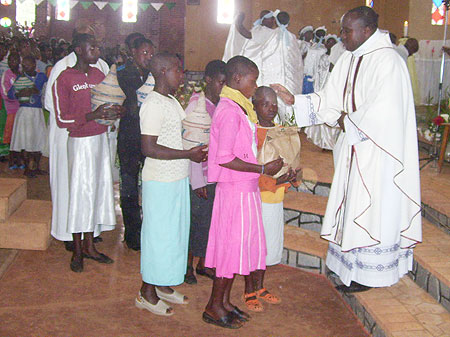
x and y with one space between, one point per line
428 65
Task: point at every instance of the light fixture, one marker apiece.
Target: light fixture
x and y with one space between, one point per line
5 22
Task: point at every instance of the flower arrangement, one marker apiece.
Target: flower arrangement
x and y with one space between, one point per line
432 128
187 89
435 127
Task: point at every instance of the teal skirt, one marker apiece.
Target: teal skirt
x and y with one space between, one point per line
165 231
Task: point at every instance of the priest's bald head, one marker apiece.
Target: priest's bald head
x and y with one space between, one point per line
357 25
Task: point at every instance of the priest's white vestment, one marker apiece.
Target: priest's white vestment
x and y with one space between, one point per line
59 171
373 215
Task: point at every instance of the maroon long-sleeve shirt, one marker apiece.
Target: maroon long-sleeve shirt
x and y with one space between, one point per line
72 100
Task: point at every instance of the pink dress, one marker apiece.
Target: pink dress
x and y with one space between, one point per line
11 105
236 243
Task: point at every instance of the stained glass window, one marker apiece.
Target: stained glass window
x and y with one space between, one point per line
25 12
63 10
129 10
225 11
438 12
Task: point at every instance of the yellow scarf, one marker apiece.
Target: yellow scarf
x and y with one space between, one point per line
237 97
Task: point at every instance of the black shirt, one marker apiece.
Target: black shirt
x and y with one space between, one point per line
130 80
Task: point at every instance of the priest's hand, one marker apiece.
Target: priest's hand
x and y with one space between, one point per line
341 120
283 93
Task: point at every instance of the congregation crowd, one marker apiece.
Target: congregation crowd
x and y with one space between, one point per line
216 202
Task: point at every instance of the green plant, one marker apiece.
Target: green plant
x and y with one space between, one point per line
187 89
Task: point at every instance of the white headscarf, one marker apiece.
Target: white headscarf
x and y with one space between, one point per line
267 16
304 30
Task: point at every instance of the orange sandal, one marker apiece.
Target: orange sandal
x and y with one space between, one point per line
268 297
252 303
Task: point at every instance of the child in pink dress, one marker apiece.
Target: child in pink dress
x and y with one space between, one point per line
236 242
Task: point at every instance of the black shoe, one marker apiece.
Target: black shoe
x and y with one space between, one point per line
240 315
102 258
353 288
69 245
203 272
189 278
76 265
98 239
133 245
228 321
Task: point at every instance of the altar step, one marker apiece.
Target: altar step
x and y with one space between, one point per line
24 224
403 309
431 270
12 193
304 210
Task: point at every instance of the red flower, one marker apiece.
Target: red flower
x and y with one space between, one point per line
438 120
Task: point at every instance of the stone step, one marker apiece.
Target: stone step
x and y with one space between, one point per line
432 264
403 309
304 210
304 249
28 227
12 193
305 202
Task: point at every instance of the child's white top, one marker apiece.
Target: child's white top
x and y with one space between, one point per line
161 116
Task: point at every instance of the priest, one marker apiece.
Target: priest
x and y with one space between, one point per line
373 218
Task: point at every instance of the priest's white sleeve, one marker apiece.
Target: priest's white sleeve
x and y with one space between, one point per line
354 135
306 108
312 109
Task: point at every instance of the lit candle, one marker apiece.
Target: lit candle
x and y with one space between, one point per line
405 29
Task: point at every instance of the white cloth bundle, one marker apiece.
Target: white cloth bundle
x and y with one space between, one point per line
108 91
196 125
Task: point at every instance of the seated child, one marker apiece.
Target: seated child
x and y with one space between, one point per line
202 193
30 130
165 190
272 195
236 243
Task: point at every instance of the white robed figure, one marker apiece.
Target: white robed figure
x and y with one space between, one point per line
373 215
324 135
312 71
282 62
274 50
58 160
305 36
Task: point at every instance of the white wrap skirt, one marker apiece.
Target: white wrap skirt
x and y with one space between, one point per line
91 198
